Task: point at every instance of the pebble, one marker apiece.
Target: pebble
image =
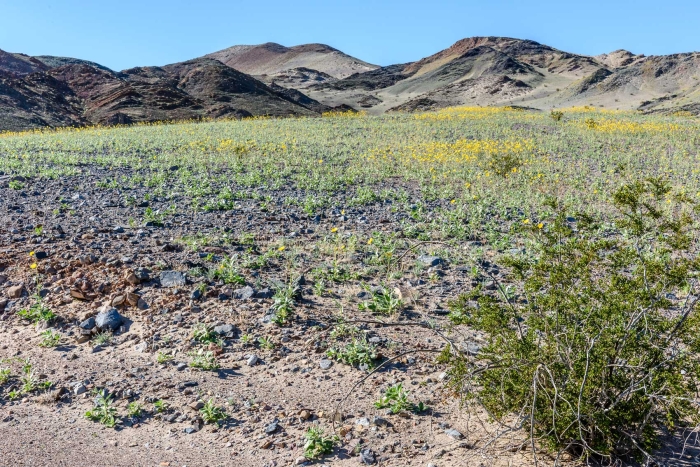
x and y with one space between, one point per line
325 364
430 260
172 279
252 360
452 433
109 319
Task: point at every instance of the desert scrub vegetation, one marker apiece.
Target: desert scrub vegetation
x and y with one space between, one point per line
600 356
568 293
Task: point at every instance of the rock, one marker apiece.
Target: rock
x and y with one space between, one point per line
141 347
196 405
132 299
132 279
79 389
15 291
300 461
368 457
264 293
142 274
196 294
364 422
172 279
305 414
41 255
379 421
88 323
109 319
77 294
244 293
189 430
272 427
252 360
226 330
118 300
181 366
452 433
430 260
325 364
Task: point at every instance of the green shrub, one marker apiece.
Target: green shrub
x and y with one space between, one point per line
317 443
596 358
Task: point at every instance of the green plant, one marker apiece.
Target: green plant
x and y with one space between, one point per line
597 361
556 115
591 124
30 382
247 339
359 352
14 394
163 357
204 360
211 413
50 338
266 343
5 374
317 443
205 334
227 272
39 230
283 304
103 338
396 400
37 312
160 406
383 302
104 411
134 409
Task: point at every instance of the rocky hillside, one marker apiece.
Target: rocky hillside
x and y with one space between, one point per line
271 79
315 62
66 92
505 71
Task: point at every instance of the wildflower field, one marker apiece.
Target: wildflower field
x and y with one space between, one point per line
486 261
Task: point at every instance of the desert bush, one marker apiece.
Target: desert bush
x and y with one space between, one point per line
598 356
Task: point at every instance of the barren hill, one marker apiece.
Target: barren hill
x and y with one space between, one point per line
272 59
79 93
271 79
506 71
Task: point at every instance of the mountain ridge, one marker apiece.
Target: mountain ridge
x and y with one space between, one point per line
309 79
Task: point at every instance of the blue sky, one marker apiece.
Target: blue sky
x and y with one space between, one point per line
127 33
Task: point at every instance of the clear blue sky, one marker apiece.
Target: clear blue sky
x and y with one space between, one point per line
126 33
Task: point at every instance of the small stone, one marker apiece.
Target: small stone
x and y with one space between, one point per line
15 291
172 279
300 461
430 260
79 389
244 293
364 422
132 279
141 347
368 457
196 405
181 366
252 360
109 319
325 364
118 300
132 299
189 430
41 255
88 323
379 421
452 433
305 414
263 293
226 330
272 427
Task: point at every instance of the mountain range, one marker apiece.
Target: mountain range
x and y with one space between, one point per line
307 80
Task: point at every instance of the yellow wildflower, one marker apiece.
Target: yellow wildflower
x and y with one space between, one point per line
369 242
334 229
281 248
33 266
526 221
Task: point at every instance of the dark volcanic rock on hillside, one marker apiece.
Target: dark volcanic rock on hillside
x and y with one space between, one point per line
80 93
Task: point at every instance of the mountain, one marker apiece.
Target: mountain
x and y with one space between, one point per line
506 71
307 80
313 62
37 91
